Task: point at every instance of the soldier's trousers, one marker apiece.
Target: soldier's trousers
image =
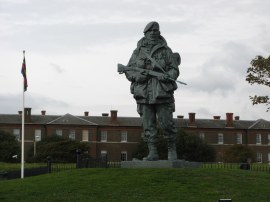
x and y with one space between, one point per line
163 113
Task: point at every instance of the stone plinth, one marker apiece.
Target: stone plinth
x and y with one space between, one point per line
160 164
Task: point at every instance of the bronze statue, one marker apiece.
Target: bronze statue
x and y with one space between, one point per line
152 71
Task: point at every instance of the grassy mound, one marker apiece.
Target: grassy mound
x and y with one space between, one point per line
198 185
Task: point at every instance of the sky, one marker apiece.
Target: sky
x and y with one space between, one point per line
72 48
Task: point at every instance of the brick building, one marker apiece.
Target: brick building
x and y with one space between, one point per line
118 137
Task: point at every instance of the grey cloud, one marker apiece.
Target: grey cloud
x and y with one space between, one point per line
11 104
225 70
57 68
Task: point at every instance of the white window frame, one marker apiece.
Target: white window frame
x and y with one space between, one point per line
72 134
85 135
258 139
17 133
123 155
239 138
103 153
103 136
202 135
124 136
59 132
37 135
268 157
259 157
220 138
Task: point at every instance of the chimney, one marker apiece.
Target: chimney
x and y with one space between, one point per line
104 114
27 114
20 112
229 119
216 117
86 113
113 116
191 119
237 118
180 116
43 112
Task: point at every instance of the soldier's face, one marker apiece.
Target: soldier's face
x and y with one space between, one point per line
153 33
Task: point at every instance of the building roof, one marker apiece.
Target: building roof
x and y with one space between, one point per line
69 119
121 121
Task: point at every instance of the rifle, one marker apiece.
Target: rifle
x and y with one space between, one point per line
122 69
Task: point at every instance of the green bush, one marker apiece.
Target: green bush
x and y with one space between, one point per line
60 149
189 147
192 148
238 153
9 147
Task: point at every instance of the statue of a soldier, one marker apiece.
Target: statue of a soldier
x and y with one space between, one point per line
152 71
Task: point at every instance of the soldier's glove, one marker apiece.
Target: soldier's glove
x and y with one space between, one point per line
163 77
140 78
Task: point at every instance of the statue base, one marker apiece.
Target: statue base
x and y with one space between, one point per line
160 164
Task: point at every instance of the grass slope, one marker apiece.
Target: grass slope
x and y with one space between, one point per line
189 185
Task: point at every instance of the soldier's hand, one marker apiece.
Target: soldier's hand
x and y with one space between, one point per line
163 77
141 78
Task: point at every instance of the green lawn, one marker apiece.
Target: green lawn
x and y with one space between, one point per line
189 185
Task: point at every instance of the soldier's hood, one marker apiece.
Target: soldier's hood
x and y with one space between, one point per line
144 42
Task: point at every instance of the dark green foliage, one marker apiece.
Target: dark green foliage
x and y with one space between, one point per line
259 73
9 147
238 154
189 147
59 148
192 148
141 151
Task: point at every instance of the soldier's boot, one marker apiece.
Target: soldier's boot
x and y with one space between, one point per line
172 154
153 153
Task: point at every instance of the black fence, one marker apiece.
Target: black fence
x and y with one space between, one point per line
28 172
258 167
92 163
103 163
56 167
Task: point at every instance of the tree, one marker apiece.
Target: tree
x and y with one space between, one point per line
238 154
192 148
259 73
189 147
59 148
9 147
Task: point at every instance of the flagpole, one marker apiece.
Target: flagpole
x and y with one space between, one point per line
23 111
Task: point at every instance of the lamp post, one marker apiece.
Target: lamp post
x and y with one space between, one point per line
35 144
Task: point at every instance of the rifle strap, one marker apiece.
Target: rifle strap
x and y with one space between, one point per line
153 61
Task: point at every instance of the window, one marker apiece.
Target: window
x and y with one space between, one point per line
258 139
202 136
16 133
268 157
103 154
268 138
71 134
259 157
85 135
59 132
37 135
123 156
238 138
103 136
220 138
124 136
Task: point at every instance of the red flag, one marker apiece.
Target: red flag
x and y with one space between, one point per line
23 71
